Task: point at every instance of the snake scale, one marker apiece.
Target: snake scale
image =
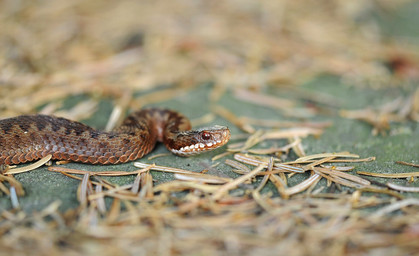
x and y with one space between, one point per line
31 137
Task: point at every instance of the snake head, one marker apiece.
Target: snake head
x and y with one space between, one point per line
201 140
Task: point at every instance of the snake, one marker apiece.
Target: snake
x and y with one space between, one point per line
28 138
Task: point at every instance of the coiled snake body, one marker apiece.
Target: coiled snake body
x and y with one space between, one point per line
31 137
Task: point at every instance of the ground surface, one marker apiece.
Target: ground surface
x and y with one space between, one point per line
84 60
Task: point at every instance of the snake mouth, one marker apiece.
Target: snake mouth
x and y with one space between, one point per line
221 138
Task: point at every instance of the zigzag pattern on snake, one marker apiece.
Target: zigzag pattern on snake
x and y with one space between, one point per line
31 137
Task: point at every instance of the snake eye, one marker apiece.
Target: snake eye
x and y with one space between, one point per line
206 136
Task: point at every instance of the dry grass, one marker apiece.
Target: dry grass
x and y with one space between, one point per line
115 49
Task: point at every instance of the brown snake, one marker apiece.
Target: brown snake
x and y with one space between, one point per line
31 137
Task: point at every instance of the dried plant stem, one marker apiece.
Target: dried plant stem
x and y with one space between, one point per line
303 185
403 188
390 175
30 167
406 163
395 206
230 185
99 173
181 171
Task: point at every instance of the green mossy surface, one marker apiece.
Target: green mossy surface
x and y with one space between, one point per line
43 187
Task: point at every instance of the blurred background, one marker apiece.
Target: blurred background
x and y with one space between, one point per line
53 49
287 76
